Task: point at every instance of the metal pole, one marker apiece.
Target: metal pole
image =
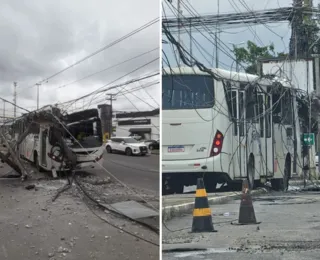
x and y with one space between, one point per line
38 84
317 75
15 99
111 111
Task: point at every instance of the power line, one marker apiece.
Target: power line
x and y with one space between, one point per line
111 67
102 49
15 105
112 87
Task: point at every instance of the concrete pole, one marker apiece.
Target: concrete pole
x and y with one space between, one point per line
38 84
317 81
15 99
179 25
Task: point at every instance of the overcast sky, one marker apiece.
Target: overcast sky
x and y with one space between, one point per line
40 38
277 33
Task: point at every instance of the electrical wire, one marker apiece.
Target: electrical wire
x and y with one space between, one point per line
150 23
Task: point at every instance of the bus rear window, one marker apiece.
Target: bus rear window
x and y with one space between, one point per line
187 92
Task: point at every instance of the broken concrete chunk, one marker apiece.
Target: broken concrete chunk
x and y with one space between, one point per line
30 187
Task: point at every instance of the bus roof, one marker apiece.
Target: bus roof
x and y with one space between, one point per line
227 75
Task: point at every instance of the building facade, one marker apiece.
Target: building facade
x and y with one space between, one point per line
144 124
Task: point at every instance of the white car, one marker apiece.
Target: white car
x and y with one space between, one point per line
127 145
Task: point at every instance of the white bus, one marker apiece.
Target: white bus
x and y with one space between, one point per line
226 130
40 147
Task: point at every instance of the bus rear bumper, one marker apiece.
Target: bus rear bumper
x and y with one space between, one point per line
211 164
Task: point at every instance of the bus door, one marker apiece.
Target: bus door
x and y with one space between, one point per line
238 154
43 147
268 136
265 129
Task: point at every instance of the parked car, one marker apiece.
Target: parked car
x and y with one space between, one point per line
127 145
152 144
135 136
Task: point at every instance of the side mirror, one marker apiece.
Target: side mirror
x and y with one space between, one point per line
123 142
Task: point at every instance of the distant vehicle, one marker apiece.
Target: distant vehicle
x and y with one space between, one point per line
135 136
230 128
127 145
152 144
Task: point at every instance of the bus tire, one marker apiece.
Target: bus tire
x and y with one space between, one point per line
250 172
210 184
178 188
282 184
171 185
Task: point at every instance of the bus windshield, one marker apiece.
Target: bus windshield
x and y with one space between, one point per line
187 92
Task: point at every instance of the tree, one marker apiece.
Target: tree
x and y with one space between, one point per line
249 55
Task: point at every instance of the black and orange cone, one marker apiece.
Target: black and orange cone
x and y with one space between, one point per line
202 219
246 214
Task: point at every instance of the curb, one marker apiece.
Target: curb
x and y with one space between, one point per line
171 212
301 182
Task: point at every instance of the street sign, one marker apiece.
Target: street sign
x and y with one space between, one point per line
308 138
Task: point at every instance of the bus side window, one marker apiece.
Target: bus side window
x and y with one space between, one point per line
276 108
268 116
251 104
287 109
234 111
260 114
241 113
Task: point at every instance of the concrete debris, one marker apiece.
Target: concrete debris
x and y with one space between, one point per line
30 187
28 226
96 181
50 255
63 250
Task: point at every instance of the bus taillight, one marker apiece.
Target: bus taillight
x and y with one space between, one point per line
217 144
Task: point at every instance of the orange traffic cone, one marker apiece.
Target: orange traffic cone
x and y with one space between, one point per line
202 219
246 213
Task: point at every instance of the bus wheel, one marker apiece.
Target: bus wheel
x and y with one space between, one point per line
170 187
250 173
210 185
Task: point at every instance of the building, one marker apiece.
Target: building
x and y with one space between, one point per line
144 124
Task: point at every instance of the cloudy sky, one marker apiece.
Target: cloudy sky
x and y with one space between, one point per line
277 33
40 38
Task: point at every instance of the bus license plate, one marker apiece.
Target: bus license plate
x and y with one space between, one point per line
176 149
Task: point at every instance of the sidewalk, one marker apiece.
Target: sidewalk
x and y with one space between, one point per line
180 204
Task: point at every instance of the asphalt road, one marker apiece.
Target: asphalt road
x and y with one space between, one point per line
140 172
289 230
32 227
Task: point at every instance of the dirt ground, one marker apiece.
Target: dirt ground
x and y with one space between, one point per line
33 227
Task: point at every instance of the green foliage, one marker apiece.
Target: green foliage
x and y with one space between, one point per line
250 54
